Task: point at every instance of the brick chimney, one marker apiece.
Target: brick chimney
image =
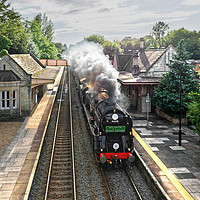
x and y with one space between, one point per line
135 67
141 43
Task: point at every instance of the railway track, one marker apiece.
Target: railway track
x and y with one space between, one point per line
114 179
136 190
61 175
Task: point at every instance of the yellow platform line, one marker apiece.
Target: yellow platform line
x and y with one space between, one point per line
165 170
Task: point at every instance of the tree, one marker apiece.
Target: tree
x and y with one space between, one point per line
192 41
95 38
194 110
110 48
61 48
166 95
12 30
159 30
46 48
4 42
7 14
46 26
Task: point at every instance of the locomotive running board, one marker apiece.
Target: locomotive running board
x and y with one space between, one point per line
88 117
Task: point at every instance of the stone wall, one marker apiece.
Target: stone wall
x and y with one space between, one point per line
184 121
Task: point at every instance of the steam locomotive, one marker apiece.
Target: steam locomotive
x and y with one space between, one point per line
110 125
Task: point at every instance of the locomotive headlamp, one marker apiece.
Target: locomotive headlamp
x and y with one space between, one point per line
115 146
115 117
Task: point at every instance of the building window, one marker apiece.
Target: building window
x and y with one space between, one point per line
15 99
4 67
5 99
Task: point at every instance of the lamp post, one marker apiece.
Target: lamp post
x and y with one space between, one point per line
180 94
147 102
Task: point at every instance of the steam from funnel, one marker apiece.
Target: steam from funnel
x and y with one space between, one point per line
89 61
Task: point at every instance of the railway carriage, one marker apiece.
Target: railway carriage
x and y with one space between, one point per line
110 125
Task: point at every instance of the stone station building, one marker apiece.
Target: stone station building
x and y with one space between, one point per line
141 71
23 82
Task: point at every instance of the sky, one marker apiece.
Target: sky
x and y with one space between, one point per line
114 19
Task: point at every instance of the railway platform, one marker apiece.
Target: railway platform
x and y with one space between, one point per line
174 169
18 164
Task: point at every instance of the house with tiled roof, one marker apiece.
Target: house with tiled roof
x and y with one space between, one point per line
23 82
141 71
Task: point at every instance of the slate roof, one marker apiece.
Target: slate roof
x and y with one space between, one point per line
27 63
8 76
125 62
146 59
151 57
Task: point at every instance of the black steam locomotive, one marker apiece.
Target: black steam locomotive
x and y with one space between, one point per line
110 125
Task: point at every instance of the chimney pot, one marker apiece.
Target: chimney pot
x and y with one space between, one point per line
141 43
135 68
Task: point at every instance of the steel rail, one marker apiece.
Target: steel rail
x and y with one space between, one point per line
133 184
72 140
54 141
107 185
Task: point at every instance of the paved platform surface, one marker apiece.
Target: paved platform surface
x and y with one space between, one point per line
18 164
177 168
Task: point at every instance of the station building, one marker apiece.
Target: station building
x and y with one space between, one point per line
141 71
23 82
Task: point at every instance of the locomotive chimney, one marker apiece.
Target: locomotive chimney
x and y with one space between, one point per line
135 67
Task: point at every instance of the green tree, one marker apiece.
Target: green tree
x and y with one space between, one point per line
46 26
61 48
194 110
4 42
166 95
12 28
192 41
110 48
7 14
46 48
158 32
95 38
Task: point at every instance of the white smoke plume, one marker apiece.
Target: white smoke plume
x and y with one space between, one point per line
88 61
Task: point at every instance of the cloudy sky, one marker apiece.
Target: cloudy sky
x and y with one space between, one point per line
114 19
